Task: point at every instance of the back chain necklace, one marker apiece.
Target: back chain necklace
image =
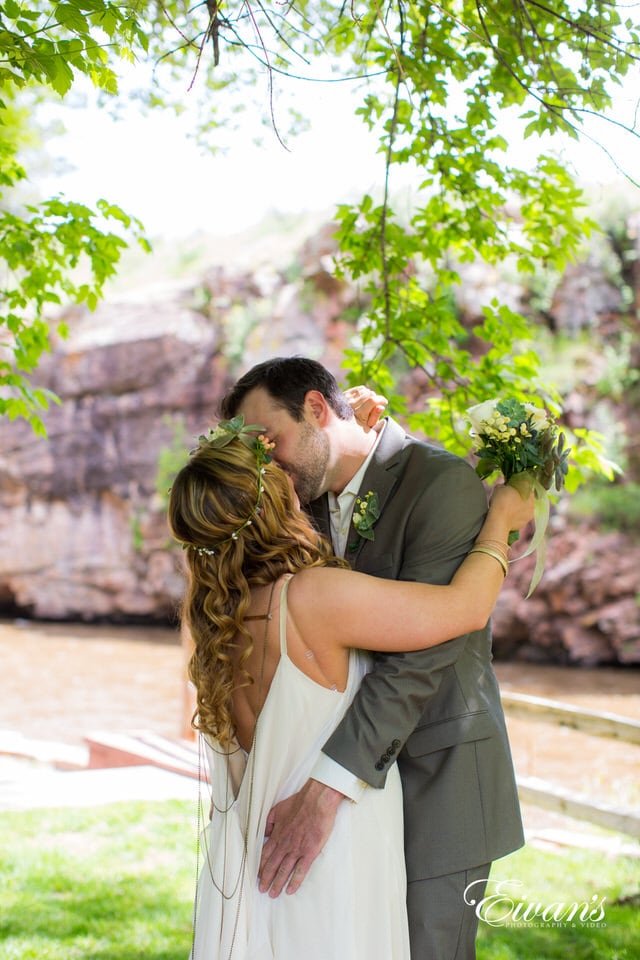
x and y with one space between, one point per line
229 803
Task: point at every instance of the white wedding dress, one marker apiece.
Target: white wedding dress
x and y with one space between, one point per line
351 905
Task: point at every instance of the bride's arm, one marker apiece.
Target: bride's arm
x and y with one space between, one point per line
355 610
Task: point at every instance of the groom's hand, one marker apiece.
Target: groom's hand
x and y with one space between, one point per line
297 830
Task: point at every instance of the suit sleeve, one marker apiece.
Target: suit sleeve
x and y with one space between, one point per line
440 529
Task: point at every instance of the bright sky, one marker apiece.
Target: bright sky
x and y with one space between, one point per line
151 167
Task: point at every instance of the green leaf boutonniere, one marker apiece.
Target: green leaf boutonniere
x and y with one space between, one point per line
365 514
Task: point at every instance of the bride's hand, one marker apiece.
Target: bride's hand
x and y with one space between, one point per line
509 503
367 406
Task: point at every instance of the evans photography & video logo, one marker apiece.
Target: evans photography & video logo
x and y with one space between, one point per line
501 907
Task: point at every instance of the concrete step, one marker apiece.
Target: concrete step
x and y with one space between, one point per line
62 756
130 749
28 785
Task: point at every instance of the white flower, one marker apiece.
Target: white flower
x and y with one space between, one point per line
539 416
482 411
479 415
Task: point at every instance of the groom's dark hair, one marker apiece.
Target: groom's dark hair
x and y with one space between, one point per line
287 380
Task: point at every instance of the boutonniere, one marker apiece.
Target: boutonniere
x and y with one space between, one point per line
365 514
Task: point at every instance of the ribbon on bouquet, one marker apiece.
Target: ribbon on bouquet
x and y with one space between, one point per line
524 483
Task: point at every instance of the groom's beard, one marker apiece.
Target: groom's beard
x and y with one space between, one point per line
309 472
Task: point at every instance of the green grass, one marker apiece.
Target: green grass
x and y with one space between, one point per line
565 877
116 883
107 883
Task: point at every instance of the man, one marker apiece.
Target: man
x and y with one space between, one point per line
436 712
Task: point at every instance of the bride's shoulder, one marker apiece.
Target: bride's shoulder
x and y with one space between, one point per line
315 586
313 578
318 576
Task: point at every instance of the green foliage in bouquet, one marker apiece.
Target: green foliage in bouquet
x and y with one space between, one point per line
514 438
523 443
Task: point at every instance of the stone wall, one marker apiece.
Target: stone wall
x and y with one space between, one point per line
81 528
586 608
82 524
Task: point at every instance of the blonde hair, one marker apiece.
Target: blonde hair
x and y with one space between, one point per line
211 497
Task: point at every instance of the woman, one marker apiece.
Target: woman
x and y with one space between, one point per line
279 626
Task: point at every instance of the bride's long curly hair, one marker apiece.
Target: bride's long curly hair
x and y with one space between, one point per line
211 497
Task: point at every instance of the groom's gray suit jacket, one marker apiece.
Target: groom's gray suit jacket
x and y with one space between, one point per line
436 711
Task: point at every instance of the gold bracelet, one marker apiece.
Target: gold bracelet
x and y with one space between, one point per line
490 552
499 545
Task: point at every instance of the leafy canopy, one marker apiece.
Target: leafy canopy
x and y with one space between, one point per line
46 246
438 82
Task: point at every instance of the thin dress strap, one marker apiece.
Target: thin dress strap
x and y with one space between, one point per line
283 615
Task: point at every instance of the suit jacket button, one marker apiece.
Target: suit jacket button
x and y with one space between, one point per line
396 744
379 765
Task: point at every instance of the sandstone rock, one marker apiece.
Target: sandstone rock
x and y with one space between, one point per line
585 609
83 533
583 296
73 506
82 522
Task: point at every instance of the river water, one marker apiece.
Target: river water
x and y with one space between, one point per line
60 682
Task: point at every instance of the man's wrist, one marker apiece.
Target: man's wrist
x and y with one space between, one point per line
324 795
328 771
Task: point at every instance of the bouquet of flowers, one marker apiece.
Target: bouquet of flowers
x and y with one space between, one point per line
522 442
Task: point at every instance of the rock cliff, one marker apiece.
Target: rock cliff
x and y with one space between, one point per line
81 528
585 609
82 514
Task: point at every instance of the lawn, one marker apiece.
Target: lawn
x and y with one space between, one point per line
105 883
116 883
556 881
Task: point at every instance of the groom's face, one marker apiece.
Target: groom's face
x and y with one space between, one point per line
302 447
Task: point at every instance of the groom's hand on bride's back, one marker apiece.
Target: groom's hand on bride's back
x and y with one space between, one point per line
297 830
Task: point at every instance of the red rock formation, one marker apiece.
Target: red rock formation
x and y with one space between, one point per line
586 609
82 526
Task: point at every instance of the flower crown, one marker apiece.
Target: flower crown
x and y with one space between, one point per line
261 446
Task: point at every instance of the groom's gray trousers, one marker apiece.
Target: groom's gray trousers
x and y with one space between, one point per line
442 926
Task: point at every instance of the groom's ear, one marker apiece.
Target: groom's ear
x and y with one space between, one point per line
316 408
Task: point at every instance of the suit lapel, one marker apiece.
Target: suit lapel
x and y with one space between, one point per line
318 510
381 477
